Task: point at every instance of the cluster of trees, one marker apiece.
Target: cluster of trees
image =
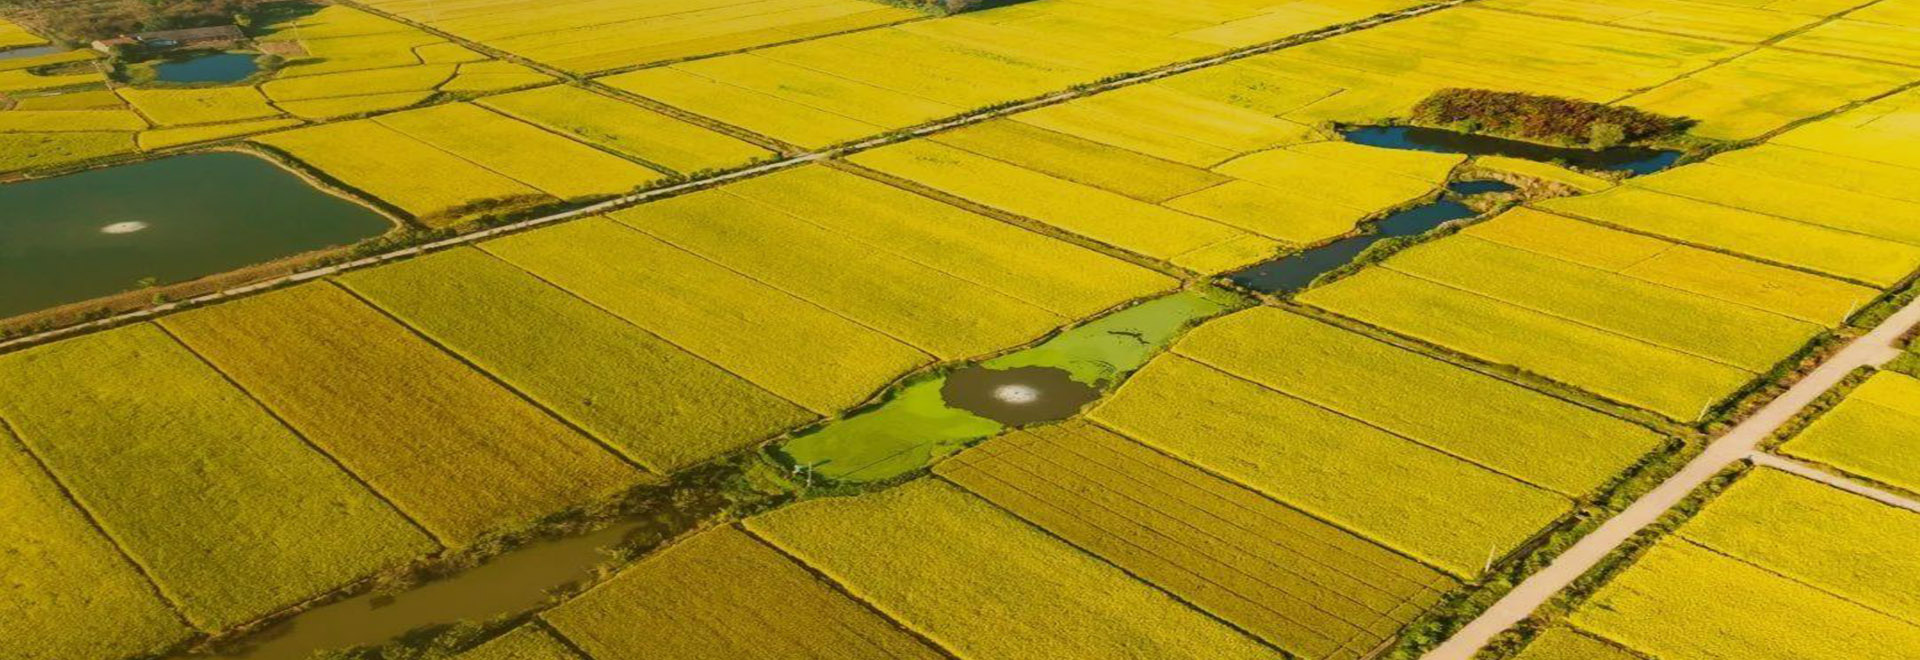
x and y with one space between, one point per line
1548 119
86 20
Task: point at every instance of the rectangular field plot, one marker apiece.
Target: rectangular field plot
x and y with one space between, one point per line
1874 433
658 404
1801 198
1724 332
1533 437
1747 96
70 593
1427 504
448 446
194 480
916 550
1874 261
1793 293
1872 132
587 36
1684 602
767 336
881 290
637 132
1298 583
1568 643
1080 160
411 175
1045 272
1670 382
1819 535
556 165
722 595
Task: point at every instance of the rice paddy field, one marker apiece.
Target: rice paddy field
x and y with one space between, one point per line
1340 471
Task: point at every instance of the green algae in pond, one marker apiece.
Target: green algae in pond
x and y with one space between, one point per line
916 427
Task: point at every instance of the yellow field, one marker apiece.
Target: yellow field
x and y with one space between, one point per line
1578 181
409 174
639 133
1080 160
1164 123
162 138
551 163
22 151
177 107
98 99
14 36
70 121
1765 90
724 594
352 106
917 549
1872 433
447 445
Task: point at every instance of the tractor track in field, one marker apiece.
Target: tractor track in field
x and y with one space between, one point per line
794 160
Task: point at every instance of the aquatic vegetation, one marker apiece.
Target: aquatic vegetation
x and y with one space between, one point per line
916 550
1427 504
658 404
725 594
448 446
241 494
1536 438
1872 433
643 134
1298 583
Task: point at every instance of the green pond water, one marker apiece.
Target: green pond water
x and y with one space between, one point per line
99 232
918 425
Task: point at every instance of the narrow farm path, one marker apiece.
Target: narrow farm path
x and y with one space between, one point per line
1739 443
1785 464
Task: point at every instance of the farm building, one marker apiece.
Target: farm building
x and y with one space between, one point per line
206 37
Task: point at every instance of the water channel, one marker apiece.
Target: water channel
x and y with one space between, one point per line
1633 160
99 232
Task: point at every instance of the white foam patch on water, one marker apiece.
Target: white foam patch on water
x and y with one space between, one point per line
123 227
1016 394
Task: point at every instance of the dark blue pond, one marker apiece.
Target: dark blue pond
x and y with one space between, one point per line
1634 160
1470 188
219 67
1296 271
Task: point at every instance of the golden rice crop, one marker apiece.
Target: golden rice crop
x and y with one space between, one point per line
1080 160
1579 181
1749 95
549 162
1843 544
348 106
1567 643
1860 175
1298 583
816 89
413 176
879 289
172 137
1682 601
458 453
70 592
915 550
1663 380
1721 331
1795 197
493 76
1345 176
1250 84
745 326
1071 281
1103 216
1861 132
1293 216
23 151
21 80
13 36
1231 253
1862 258
764 114
527 642
359 83
1161 122
69 121
1871 433
723 594
889 59
638 132
205 105
1404 495
98 99
194 480
447 53
658 404
1536 438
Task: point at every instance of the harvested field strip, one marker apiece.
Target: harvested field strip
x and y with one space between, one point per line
1426 504
880 290
448 446
766 336
1818 535
1669 382
660 405
1797 294
1296 582
1063 278
1869 435
194 480
916 549
1874 261
629 129
724 594
70 592
1683 601
1727 333
1097 214
1080 160
521 151
1534 437
411 175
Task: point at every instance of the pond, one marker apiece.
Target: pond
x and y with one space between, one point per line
30 51
211 68
1634 160
99 232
